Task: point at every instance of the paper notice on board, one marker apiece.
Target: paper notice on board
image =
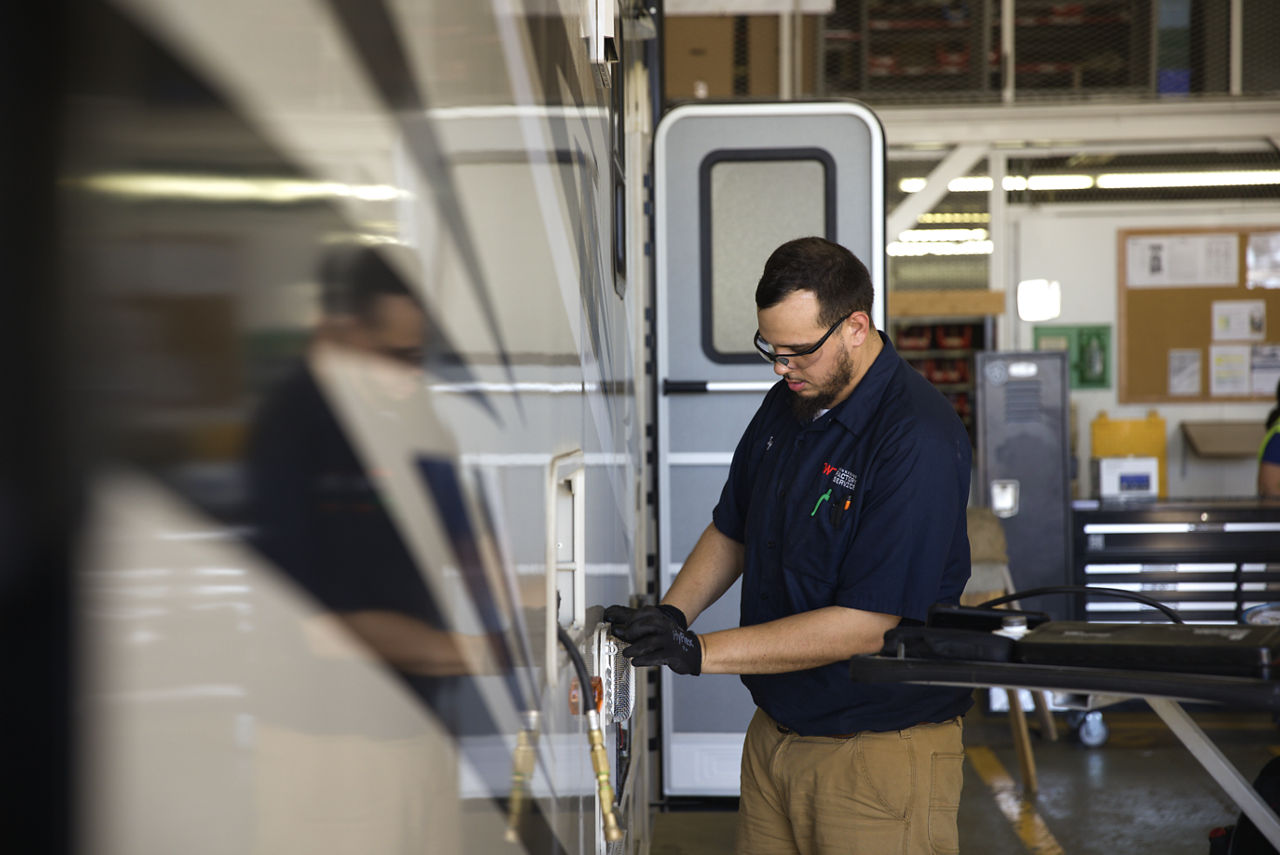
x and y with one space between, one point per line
1264 369
1184 372
1239 320
1229 369
1169 261
1262 260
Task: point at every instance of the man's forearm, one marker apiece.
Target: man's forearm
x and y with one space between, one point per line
712 567
795 643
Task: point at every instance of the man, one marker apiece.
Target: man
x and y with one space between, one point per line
844 514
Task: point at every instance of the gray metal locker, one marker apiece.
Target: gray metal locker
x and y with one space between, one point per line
1023 466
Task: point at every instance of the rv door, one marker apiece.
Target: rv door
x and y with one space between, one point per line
733 181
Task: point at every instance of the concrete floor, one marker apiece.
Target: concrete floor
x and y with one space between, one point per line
1140 792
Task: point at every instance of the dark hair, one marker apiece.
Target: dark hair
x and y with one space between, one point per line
354 276
1275 411
834 274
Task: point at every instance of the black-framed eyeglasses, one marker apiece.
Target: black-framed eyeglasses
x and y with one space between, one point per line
767 352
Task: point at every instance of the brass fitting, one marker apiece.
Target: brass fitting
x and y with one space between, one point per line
522 762
600 763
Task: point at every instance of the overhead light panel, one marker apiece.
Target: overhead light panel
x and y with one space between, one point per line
1039 299
1059 182
900 248
970 184
1218 178
1107 181
953 217
221 188
935 235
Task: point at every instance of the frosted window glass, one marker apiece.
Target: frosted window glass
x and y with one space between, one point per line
755 205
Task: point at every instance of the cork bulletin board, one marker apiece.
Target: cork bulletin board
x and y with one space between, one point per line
1198 319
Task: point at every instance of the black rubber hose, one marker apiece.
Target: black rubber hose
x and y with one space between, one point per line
584 679
1084 589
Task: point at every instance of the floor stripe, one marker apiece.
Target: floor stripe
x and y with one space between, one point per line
1020 812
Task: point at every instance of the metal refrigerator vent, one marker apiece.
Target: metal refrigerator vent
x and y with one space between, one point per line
617 677
1022 403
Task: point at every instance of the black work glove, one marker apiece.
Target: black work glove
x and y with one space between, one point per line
629 624
658 637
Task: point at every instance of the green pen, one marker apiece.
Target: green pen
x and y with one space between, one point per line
821 499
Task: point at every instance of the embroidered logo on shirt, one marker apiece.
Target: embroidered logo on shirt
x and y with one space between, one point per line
841 477
768 445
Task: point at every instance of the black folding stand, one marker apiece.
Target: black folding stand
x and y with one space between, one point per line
1090 688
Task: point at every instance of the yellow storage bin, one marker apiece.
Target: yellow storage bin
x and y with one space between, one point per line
1132 437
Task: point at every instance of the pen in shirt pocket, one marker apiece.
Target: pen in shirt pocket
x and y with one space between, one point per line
839 508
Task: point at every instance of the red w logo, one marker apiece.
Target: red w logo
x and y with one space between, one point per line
827 469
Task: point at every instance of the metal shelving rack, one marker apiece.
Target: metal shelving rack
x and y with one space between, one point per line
923 343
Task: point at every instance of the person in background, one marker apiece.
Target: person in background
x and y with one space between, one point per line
844 515
1269 454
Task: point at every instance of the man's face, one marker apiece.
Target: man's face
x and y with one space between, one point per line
396 329
394 333
825 377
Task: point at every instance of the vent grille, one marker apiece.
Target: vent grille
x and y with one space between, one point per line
617 678
1022 403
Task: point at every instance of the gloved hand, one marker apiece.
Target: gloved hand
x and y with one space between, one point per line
658 637
629 624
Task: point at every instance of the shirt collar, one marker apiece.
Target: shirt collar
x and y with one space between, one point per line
855 411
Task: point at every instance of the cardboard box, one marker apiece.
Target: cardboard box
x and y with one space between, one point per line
699 57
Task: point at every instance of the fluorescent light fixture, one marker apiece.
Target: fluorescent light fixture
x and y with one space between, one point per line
1107 181
935 235
970 184
954 217
1039 299
1221 178
1059 182
983 183
969 247
218 188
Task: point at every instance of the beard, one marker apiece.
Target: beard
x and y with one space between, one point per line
807 407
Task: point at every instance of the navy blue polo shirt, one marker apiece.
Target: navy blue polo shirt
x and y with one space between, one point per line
864 507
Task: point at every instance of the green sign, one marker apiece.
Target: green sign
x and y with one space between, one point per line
1088 352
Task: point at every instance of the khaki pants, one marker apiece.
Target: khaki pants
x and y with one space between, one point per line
892 793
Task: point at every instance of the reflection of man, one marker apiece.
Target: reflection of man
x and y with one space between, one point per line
844 514
356 769
320 516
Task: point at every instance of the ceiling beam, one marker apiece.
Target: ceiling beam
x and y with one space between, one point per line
1063 125
961 159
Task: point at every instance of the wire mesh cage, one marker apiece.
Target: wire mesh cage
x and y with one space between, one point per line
975 51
